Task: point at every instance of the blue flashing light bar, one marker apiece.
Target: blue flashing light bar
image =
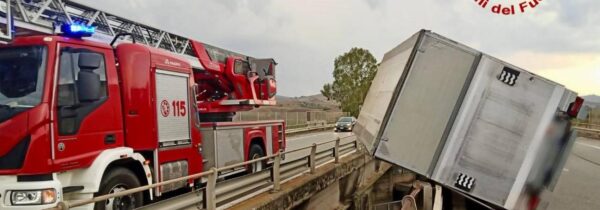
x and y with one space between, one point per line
77 30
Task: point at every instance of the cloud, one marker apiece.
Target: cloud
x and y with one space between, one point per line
375 4
305 36
577 13
578 71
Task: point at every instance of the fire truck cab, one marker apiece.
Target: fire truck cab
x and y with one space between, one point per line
80 119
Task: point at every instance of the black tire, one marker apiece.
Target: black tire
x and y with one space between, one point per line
116 180
256 151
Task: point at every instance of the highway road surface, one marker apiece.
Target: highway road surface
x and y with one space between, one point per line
579 185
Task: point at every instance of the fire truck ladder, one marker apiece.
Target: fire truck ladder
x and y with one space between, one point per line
44 17
28 17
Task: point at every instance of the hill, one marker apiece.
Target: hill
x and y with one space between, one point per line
316 102
592 101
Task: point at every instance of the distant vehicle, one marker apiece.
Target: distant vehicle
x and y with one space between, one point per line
345 124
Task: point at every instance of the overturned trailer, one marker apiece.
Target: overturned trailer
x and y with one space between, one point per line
471 122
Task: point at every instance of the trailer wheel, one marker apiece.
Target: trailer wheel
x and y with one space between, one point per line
117 180
256 151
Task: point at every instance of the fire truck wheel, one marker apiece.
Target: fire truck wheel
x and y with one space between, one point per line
256 151
117 180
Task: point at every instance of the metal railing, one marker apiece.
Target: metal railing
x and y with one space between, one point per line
218 192
587 130
308 128
580 125
291 118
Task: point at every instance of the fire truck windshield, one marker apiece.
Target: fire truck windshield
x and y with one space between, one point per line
21 78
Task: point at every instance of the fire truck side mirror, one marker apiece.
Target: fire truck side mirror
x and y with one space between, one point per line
88 82
88 86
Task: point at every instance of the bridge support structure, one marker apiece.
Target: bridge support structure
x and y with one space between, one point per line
328 187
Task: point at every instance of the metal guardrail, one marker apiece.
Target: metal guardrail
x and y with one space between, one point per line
579 125
217 192
307 124
588 130
310 127
291 118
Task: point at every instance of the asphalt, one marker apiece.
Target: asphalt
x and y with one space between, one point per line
578 187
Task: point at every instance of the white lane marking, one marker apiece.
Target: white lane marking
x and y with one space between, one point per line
589 145
565 169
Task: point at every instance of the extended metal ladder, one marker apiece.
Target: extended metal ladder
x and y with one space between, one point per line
28 17
45 16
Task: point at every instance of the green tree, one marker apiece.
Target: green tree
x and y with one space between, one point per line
327 91
353 73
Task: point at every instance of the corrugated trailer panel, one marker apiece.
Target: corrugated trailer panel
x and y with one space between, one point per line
381 92
425 104
498 131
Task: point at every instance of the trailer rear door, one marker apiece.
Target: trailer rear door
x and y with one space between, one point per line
428 80
429 97
499 132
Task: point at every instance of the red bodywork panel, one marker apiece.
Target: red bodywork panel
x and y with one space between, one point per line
137 96
138 66
257 130
34 122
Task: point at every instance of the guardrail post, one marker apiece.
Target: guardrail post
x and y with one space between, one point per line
211 193
313 158
276 173
336 150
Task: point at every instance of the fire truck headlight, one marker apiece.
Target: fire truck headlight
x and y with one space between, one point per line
48 196
33 197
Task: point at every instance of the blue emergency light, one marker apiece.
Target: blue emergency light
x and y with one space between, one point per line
77 30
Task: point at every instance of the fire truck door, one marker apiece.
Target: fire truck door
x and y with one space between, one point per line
87 116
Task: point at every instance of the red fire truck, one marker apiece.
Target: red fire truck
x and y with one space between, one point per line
81 117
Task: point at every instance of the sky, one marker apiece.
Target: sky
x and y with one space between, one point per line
558 39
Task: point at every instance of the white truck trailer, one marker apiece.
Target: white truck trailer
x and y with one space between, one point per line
468 121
